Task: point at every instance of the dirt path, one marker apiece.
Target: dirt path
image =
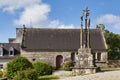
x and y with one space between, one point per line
109 75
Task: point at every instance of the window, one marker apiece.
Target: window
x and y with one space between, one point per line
94 55
99 56
73 56
11 51
1 66
1 51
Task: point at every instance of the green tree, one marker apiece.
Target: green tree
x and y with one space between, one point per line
17 64
113 43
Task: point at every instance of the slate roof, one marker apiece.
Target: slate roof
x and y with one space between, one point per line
7 46
60 39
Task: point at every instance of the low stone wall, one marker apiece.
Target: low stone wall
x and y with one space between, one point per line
114 63
83 71
101 64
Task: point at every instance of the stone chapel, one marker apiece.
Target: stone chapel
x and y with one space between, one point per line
55 46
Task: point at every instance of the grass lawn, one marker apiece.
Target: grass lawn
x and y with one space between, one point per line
48 77
109 69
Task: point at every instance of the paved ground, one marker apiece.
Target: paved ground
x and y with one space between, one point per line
109 75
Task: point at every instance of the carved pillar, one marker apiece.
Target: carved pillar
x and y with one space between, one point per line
81 33
88 35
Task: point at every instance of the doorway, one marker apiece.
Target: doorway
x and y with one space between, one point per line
59 60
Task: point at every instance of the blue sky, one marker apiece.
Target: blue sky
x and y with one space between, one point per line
56 14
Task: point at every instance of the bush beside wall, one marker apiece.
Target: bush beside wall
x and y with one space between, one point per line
67 66
42 68
29 74
17 64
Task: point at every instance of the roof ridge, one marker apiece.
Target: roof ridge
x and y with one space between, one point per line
58 28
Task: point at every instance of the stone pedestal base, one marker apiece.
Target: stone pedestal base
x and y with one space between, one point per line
82 71
84 63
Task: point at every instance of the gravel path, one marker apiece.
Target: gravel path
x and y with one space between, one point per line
110 75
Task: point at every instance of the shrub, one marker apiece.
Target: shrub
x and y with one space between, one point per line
1 73
20 75
29 74
17 64
42 68
67 66
53 68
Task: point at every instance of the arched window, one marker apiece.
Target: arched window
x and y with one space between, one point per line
11 51
1 50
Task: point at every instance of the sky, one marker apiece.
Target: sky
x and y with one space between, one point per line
56 14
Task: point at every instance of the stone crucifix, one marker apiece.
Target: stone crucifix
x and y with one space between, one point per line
87 28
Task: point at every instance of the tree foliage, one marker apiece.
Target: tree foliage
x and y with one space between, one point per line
101 26
17 64
113 43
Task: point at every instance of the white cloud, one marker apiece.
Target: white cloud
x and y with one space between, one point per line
33 12
37 14
109 19
58 24
12 5
67 26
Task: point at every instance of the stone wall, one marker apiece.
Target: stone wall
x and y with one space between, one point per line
114 63
46 56
104 56
50 56
103 60
19 35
